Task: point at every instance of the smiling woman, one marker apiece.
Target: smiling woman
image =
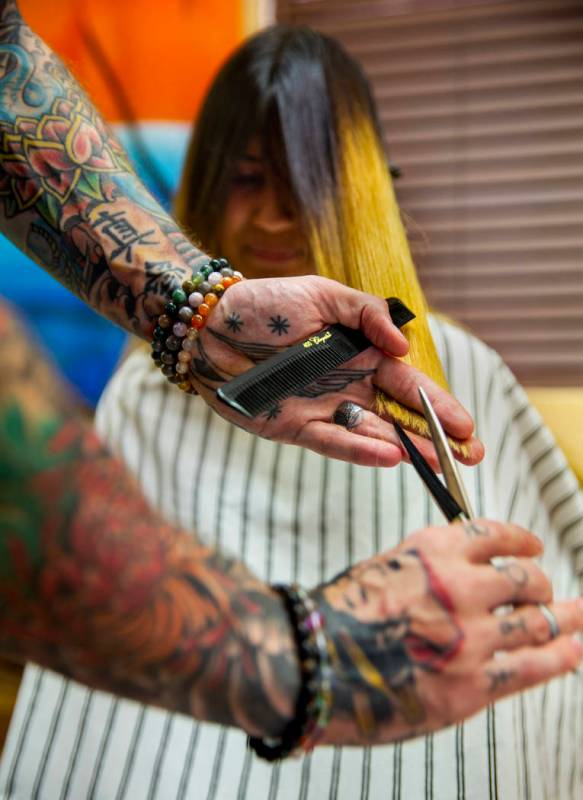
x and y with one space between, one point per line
260 226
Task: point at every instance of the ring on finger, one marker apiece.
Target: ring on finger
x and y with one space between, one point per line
554 628
348 414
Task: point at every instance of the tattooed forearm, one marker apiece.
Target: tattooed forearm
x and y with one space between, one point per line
95 585
68 195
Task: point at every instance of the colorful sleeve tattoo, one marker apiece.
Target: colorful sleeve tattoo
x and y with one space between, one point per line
95 585
68 195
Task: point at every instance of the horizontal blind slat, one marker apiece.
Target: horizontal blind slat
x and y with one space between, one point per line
482 105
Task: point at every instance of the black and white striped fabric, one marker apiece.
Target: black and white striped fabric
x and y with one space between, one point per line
293 515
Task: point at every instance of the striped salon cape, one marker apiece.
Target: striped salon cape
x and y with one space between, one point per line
293 515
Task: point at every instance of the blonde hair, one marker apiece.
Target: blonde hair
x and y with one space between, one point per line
361 241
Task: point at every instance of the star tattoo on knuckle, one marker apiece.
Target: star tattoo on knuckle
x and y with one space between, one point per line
278 325
234 322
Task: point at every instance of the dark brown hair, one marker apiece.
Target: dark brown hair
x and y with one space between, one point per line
284 85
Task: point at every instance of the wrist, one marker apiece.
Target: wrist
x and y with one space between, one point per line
185 315
313 698
274 636
263 681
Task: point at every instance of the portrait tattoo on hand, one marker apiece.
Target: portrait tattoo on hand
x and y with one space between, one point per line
377 663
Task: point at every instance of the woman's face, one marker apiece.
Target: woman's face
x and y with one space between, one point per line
260 232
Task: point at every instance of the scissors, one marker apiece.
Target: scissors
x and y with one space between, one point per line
452 498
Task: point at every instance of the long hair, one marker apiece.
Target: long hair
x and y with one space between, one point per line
312 108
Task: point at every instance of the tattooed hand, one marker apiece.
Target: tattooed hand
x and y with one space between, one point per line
255 319
416 642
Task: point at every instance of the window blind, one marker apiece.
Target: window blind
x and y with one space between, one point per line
482 106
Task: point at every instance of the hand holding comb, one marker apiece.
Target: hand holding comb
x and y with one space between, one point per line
288 372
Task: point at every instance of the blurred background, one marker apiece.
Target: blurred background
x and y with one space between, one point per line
482 104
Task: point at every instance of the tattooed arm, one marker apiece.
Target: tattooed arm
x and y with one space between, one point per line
95 585
70 199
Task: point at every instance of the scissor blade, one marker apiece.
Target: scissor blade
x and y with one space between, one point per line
449 468
447 505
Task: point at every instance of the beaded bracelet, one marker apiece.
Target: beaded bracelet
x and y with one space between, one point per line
313 706
185 315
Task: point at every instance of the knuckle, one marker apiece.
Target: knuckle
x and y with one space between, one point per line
317 283
371 320
539 628
494 525
428 538
571 658
544 587
529 671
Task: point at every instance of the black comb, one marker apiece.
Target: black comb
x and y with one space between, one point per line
296 367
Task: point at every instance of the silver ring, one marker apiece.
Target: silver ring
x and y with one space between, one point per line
348 414
551 619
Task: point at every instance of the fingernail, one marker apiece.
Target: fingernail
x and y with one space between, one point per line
578 644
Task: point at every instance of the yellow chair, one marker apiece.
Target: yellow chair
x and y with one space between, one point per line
10 675
562 411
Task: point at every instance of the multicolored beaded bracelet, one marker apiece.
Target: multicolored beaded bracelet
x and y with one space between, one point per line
314 703
185 315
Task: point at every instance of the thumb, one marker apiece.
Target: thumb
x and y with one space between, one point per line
370 314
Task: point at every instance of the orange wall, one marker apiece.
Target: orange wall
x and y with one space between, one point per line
164 52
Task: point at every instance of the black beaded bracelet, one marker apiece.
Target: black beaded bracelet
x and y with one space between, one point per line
313 706
185 315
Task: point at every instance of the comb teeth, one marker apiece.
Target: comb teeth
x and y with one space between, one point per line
286 373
